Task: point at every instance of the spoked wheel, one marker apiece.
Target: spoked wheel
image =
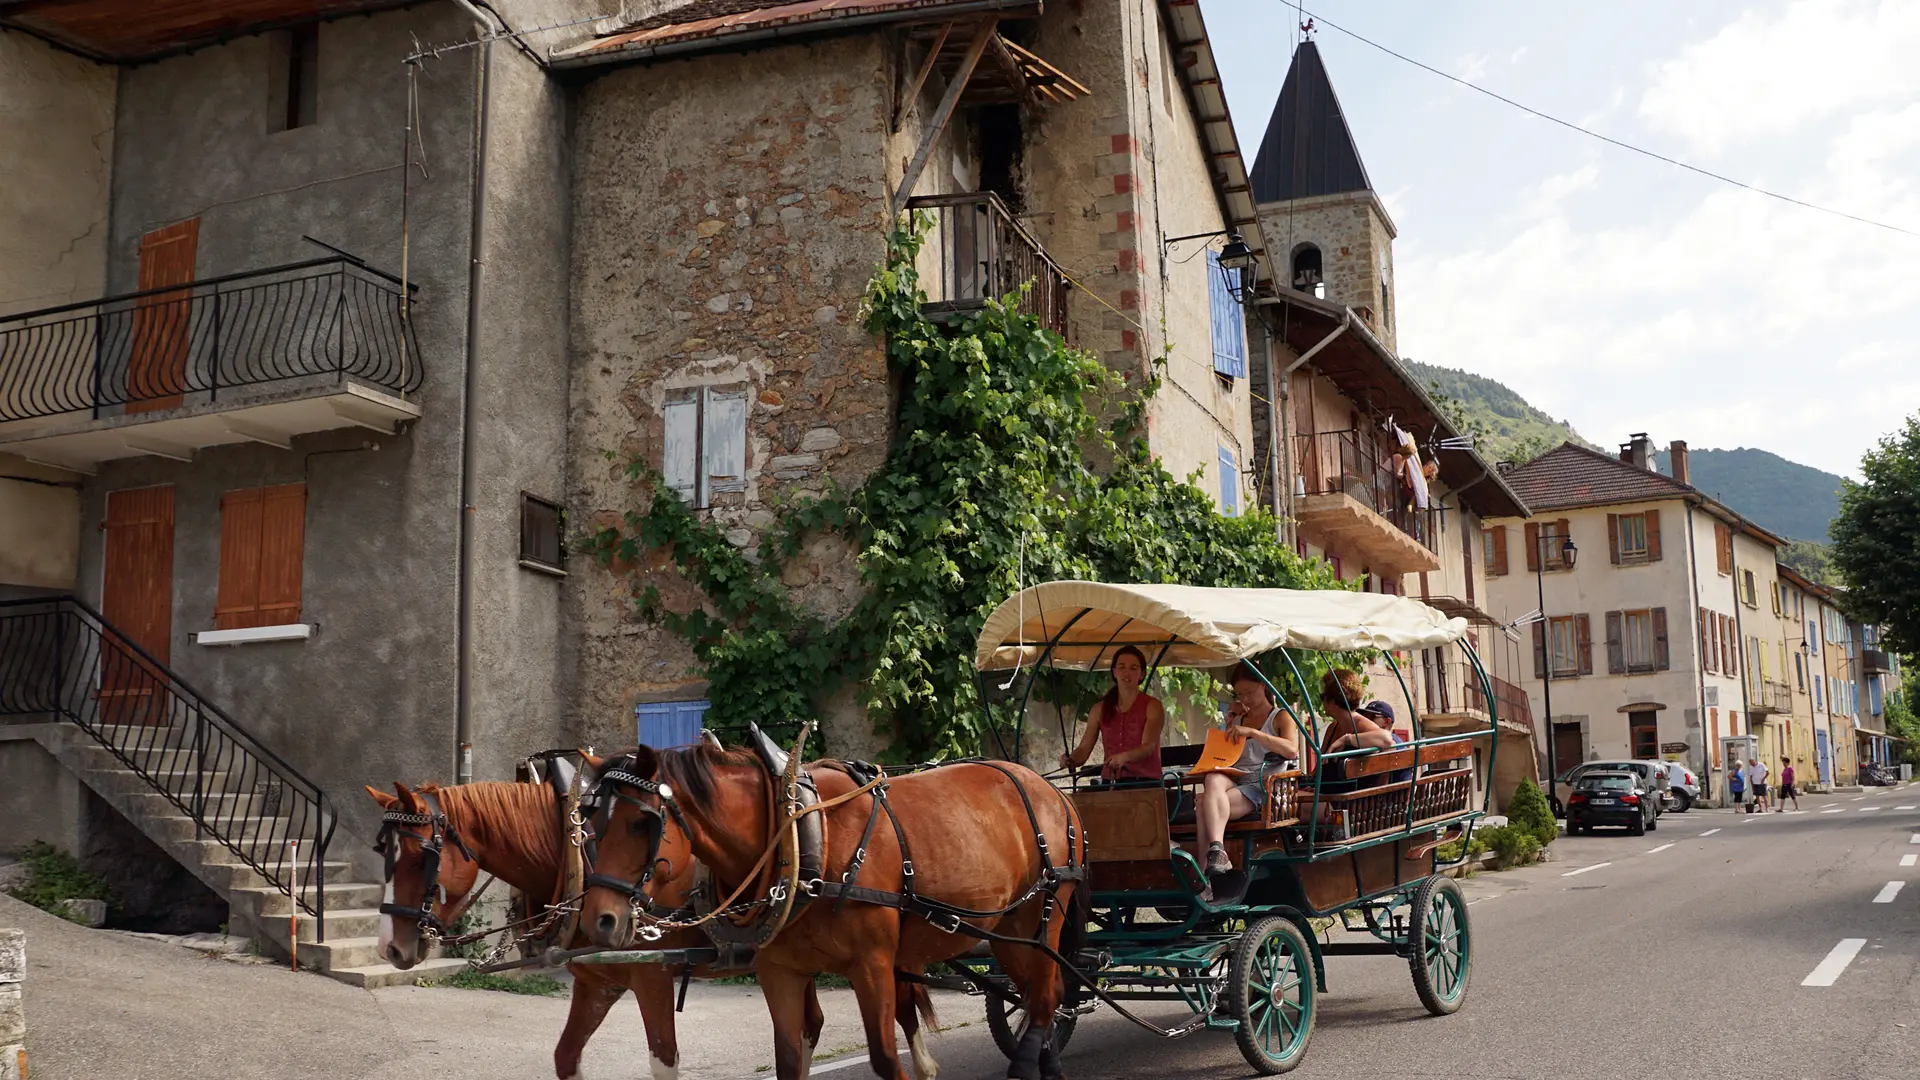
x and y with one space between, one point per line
1442 963
1270 991
1009 1023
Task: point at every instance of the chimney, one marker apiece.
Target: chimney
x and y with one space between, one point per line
1639 452
1677 452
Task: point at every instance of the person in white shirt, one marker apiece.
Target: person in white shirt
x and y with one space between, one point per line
1757 776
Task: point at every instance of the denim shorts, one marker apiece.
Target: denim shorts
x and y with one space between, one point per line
1255 792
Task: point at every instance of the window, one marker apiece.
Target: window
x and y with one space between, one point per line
1334 561
293 99
1819 693
1229 484
1747 594
262 538
705 451
1722 547
1569 641
1548 537
543 530
1307 270
1494 542
1637 641
1645 728
1706 640
1799 673
667 724
1634 538
1229 321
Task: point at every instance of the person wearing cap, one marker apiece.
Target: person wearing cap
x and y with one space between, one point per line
1352 727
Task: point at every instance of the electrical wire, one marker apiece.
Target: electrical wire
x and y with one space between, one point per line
1570 125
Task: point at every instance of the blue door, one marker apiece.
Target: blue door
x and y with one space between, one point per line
667 724
1822 756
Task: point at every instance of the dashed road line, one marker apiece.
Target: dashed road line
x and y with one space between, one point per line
1859 798
1909 860
1659 849
1864 809
1908 806
1584 869
1888 891
1835 810
1710 832
1916 838
1836 962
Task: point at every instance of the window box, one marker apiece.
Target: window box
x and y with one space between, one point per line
249 635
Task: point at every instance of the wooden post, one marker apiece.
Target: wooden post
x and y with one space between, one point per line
937 123
293 909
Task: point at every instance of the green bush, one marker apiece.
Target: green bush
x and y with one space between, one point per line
54 876
1463 848
1529 810
1513 844
469 979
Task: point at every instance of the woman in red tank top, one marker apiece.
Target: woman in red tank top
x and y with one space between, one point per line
1127 723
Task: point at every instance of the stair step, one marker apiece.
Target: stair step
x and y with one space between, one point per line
270 902
176 826
341 952
241 876
218 805
374 976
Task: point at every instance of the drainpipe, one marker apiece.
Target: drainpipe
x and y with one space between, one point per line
1283 381
1740 634
1699 667
469 404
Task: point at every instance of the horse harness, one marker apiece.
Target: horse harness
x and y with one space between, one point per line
393 824
799 839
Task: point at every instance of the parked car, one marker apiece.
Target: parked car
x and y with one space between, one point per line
1684 786
1611 798
1653 776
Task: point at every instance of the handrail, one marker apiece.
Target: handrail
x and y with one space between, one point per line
983 254
332 317
1331 461
60 658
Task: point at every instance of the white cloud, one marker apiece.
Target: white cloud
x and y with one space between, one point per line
1768 73
1471 67
1517 54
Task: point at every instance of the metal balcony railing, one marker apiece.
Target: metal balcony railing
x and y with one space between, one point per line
982 253
1352 463
1452 686
147 351
60 661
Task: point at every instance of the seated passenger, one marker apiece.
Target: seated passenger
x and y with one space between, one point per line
1127 723
1268 731
1350 726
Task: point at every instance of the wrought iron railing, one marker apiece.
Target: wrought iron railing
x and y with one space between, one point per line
1352 463
59 660
329 318
1453 687
981 253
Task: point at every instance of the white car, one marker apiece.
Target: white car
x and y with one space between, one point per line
1654 776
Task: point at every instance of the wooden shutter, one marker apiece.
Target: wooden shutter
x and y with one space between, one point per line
1722 547
1653 535
157 367
1540 649
1229 484
1584 627
1662 652
1229 320
680 445
1563 531
262 546
1706 642
1533 546
1613 538
1616 648
724 432
1500 549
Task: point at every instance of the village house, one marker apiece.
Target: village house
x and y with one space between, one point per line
1355 458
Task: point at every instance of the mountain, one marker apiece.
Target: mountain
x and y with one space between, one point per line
1505 426
1793 500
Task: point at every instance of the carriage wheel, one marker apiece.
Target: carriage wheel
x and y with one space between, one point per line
1270 991
1443 961
1009 1022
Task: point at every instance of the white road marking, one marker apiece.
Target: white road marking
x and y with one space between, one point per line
1888 891
1584 869
1909 860
1864 809
1916 838
1909 806
1836 962
1710 832
1859 798
1835 810
1659 849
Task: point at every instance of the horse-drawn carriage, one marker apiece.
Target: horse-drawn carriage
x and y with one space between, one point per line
1360 849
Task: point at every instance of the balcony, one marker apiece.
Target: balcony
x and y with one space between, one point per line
1874 662
1770 698
1450 698
1351 499
977 252
254 357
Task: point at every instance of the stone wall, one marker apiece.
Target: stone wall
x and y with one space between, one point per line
723 239
1355 239
13 1019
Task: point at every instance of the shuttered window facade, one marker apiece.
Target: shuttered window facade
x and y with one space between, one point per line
262 547
1229 323
1634 538
705 451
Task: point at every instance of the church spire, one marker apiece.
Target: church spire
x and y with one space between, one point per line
1307 149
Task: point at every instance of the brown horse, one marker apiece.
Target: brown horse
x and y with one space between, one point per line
972 843
513 833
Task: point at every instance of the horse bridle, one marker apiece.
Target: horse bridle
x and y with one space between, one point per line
608 792
432 846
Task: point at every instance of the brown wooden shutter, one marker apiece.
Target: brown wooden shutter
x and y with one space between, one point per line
1540 649
283 538
1662 652
1722 547
1616 648
157 365
1533 546
1613 538
1706 642
1653 535
1500 549
238 602
1585 628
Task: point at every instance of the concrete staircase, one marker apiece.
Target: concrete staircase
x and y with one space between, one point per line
257 908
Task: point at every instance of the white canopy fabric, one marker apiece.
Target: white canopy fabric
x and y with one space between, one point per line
1208 627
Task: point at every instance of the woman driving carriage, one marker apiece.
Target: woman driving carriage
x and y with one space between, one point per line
1269 731
1127 722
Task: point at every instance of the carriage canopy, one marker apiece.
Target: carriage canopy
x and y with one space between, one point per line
1085 621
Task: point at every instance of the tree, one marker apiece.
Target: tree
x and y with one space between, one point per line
1876 538
1528 810
1812 560
1528 447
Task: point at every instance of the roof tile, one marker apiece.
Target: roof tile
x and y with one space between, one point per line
1573 476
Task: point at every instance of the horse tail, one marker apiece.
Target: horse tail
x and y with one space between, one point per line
906 990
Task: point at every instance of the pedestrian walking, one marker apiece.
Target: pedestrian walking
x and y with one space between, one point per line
1737 782
1757 779
1786 787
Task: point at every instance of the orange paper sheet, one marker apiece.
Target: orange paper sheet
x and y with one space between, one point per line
1221 754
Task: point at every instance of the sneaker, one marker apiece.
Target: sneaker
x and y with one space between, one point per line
1217 861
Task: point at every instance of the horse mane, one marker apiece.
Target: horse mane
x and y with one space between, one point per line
689 769
503 814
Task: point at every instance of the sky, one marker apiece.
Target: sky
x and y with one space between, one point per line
1616 292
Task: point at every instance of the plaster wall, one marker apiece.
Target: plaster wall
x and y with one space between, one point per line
53 201
39 799
1760 639
39 525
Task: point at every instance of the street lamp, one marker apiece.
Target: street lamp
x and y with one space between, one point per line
1567 554
1235 255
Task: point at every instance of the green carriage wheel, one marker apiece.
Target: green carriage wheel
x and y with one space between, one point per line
1009 1022
1270 992
1442 957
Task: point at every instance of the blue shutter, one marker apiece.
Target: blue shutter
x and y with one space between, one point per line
667 724
1229 323
1229 484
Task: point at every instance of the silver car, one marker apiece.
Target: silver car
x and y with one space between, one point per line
1654 776
1684 784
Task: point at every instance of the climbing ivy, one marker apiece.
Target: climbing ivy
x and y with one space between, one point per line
991 480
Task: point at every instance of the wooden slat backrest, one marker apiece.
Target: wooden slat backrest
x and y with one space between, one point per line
1388 761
